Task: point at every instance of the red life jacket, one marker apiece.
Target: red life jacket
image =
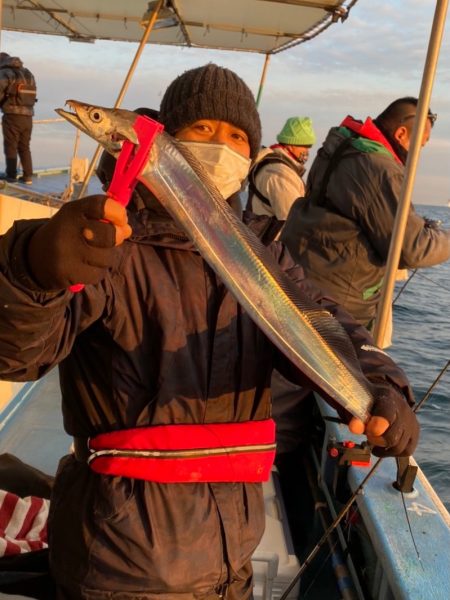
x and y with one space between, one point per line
187 453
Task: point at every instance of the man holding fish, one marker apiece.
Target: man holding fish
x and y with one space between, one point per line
165 373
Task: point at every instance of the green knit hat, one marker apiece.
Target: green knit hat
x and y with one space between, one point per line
297 131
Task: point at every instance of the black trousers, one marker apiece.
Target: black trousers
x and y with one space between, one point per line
16 141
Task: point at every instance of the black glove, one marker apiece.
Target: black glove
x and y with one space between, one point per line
402 435
59 255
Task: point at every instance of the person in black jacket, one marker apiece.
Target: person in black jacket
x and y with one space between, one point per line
156 346
341 231
17 99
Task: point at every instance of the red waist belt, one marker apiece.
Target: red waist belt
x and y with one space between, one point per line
210 452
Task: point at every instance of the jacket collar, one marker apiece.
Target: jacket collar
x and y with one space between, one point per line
370 131
153 225
286 151
281 149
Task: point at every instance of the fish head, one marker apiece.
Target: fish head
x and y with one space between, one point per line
110 127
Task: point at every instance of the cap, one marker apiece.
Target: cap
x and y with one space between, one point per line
297 131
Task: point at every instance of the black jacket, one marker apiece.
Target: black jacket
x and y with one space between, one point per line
341 236
160 340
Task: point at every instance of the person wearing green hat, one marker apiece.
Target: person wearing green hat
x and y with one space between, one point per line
275 181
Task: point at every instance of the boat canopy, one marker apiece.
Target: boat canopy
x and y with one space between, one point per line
264 26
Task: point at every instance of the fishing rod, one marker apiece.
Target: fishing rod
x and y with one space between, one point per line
439 285
339 565
432 386
403 287
408 281
352 498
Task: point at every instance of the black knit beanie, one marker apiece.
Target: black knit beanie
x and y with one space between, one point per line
211 92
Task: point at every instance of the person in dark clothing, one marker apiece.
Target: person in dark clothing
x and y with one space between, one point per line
341 231
155 345
17 99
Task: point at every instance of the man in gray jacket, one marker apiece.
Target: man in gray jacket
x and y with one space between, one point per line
340 232
17 99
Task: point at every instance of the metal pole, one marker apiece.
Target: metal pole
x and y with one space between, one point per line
410 170
263 77
123 90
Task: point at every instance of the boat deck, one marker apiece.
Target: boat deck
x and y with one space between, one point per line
49 186
40 439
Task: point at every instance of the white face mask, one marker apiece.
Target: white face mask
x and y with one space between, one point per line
226 168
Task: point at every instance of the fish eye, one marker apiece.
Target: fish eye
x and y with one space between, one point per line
96 116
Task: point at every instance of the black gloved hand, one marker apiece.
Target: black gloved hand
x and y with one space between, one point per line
402 434
75 246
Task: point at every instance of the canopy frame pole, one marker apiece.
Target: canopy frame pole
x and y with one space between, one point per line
401 217
1 20
262 80
123 90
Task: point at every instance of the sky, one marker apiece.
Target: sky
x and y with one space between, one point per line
356 67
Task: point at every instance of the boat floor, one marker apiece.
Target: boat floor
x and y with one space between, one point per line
48 185
40 441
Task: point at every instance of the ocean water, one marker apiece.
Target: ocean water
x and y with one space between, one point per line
421 346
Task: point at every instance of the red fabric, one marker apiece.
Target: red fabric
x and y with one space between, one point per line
285 150
370 131
250 467
23 523
274 146
230 466
187 436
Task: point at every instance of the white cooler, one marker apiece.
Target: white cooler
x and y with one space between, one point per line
274 562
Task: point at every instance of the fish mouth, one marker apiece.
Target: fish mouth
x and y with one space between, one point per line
73 118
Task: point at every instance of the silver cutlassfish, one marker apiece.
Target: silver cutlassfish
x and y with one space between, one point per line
306 333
